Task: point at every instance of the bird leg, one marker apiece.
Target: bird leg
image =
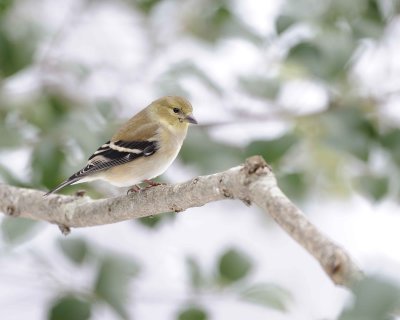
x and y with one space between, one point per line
134 188
151 183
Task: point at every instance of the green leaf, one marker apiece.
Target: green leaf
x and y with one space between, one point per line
195 273
70 307
268 295
74 249
5 5
208 155
214 23
146 5
10 135
16 230
272 150
303 9
334 59
308 55
192 313
322 60
47 161
233 266
260 86
113 281
188 68
284 22
375 187
375 299
51 114
217 21
15 53
293 184
348 130
390 141
371 21
59 106
357 145
153 222
10 178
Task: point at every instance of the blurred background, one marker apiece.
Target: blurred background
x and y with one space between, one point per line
312 86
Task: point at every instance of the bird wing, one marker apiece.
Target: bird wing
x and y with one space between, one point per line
115 153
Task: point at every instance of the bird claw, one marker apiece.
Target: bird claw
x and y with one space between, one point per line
132 189
152 184
80 193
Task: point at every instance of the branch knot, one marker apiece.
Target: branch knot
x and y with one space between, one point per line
253 168
11 211
256 165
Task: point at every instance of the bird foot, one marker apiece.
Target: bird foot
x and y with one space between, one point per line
152 184
80 193
135 188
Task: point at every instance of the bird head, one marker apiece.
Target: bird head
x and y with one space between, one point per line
174 111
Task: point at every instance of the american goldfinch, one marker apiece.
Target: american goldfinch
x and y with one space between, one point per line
142 149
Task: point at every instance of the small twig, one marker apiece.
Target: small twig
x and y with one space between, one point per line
65 230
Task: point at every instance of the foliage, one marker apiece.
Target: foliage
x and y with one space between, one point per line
75 249
233 266
16 230
192 313
232 273
70 307
374 299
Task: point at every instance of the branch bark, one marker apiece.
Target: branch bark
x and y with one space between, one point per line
252 182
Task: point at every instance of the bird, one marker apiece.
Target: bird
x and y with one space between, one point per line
142 149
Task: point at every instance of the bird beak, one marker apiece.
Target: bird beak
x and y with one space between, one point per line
191 119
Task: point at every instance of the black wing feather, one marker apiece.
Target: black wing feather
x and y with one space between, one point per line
109 157
106 151
133 144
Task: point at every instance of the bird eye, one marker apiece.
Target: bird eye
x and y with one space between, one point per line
176 110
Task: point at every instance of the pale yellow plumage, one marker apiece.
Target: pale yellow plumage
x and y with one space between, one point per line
143 148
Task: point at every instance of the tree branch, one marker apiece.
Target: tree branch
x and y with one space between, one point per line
252 182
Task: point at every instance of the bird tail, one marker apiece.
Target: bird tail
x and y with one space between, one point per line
67 182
